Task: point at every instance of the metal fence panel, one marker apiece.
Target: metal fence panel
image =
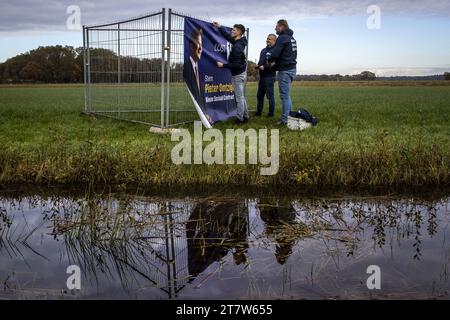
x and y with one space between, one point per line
124 63
133 70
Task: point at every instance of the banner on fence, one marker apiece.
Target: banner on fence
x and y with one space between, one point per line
210 86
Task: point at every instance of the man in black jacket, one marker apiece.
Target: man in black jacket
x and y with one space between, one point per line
284 55
266 82
237 63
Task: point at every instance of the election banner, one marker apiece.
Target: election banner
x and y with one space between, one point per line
210 87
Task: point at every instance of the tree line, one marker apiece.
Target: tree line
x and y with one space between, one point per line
56 64
64 64
363 76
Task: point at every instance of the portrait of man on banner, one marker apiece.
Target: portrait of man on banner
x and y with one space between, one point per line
191 72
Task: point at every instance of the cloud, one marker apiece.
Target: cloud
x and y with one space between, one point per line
20 15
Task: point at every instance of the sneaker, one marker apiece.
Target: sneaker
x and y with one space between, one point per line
245 120
238 121
281 123
270 116
257 114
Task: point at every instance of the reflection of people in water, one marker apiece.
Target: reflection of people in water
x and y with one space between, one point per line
212 231
191 71
275 217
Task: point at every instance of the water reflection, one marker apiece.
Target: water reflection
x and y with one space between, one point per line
276 218
213 230
139 247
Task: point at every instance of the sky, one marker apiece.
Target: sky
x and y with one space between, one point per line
394 38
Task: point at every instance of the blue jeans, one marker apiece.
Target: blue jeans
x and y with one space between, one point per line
266 88
285 79
239 88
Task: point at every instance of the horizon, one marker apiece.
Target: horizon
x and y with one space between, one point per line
406 38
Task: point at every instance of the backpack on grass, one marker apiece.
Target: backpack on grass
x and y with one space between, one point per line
301 120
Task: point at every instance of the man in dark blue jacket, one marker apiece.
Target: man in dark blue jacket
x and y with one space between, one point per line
237 63
266 79
284 56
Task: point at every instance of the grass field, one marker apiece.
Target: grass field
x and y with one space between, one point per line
370 134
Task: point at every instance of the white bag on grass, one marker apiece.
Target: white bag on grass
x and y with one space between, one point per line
298 124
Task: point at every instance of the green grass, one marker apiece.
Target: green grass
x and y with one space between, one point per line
369 135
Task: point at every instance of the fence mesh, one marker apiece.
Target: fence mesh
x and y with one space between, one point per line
124 67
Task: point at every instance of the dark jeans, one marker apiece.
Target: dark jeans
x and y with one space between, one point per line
266 88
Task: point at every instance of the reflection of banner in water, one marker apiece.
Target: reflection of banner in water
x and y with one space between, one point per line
212 231
173 243
210 86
